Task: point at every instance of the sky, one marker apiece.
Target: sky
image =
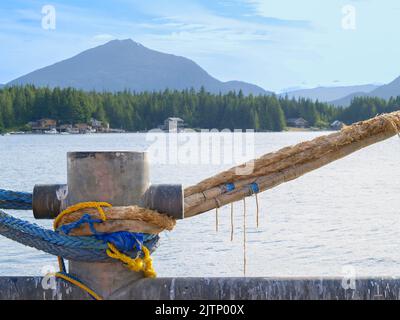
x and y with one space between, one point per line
277 44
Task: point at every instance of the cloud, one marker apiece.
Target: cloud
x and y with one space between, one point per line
273 43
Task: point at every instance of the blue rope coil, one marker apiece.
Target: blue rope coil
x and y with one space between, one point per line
13 200
88 248
123 240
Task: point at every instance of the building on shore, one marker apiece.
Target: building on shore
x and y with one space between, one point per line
297 123
337 125
43 125
83 128
99 126
65 128
173 125
50 125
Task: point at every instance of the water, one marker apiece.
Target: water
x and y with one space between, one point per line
346 213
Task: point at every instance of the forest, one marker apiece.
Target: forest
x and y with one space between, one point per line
199 109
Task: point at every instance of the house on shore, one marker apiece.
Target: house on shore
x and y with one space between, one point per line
173 124
83 128
42 125
337 125
67 128
99 126
49 125
297 123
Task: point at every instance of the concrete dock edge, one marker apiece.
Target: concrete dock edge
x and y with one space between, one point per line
30 288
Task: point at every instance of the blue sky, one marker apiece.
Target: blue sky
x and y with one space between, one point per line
276 44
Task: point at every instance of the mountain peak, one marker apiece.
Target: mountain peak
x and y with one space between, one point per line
125 64
122 42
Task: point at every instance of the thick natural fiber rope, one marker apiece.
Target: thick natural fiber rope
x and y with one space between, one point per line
131 218
291 162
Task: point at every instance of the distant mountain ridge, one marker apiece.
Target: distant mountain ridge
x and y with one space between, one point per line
342 96
346 101
326 94
126 65
391 89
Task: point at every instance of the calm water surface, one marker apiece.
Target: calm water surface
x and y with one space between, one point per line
346 213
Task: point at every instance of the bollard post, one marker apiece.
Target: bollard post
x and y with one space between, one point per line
120 178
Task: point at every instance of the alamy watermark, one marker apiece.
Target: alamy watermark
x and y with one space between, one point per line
208 147
49 17
349 20
349 277
49 280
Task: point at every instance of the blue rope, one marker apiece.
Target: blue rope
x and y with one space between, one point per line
86 218
123 240
87 249
14 200
254 188
229 187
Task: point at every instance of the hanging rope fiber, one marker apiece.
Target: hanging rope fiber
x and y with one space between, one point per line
287 164
13 200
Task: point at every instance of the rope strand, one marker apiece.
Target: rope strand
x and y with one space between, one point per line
244 237
232 227
258 220
216 220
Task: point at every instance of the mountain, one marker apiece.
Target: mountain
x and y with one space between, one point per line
125 64
389 90
386 91
325 94
346 101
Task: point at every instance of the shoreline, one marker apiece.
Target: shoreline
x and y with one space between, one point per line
288 130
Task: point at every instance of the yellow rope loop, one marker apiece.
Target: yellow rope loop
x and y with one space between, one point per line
138 264
133 264
83 205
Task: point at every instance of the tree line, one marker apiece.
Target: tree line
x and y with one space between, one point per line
199 109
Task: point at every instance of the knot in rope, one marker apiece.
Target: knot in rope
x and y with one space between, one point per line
117 242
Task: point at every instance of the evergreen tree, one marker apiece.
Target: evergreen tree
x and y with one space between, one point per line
199 109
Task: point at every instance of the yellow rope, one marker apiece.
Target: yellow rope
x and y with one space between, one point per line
77 283
139 264
82 205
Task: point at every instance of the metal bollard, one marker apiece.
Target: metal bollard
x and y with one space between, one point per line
50 200
120 178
